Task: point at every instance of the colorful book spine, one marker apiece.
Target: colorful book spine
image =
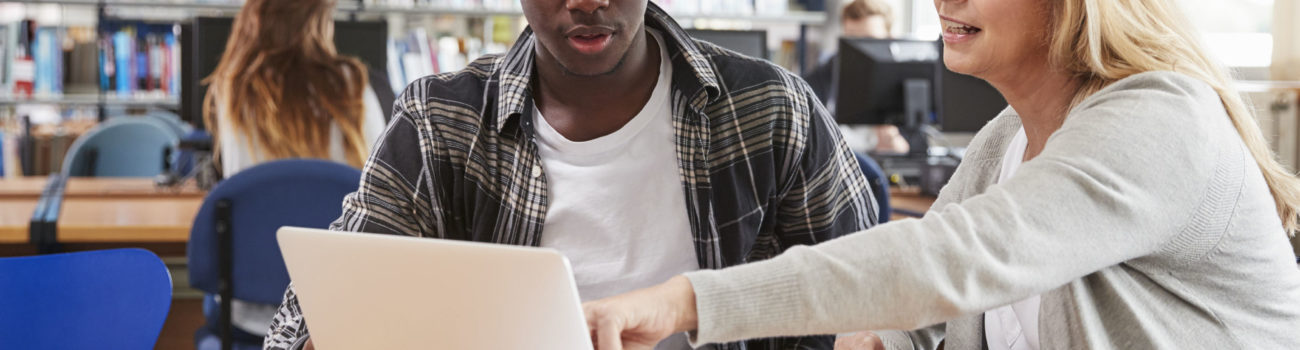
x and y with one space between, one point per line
122 43
47 54
173 74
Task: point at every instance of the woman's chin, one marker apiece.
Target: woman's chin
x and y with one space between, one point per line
959 64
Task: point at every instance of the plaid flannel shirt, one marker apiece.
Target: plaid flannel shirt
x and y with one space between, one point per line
762 164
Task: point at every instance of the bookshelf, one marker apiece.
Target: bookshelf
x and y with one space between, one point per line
358 7
93 100
139 16
185 4
148 30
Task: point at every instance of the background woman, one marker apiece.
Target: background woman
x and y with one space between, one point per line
282 91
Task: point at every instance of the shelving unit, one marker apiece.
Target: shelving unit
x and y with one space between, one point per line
92 100
356 7
127 9
478 29
186 4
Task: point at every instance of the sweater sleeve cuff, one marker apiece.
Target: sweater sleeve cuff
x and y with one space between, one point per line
895 340
747 301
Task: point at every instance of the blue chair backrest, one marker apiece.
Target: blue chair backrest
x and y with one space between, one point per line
108 299
121 147
173 121
185 160
879 185
295 192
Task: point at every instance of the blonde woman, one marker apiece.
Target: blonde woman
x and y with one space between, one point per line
1126 200
281 90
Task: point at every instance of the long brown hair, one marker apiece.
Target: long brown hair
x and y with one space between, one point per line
282 82
1103 41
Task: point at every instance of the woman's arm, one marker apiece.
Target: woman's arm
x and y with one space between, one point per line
1118 181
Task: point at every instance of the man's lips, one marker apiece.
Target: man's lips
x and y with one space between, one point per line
589 39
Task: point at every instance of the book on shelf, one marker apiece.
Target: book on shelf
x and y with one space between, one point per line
139 59
724 7
47 53
4 157
126 59
10 155
4 54
491 5
417 54
20 70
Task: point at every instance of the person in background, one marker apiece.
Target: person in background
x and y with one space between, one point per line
859 19
609 134
1126 199
282 91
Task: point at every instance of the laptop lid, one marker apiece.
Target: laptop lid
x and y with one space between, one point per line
370 291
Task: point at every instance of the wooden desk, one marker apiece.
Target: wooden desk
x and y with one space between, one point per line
110 210
31 187
125 187
22 187
15 215
164 219
908 200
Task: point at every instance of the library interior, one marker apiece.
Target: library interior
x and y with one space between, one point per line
168 169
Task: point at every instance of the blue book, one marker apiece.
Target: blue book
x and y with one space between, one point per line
105 64
2 153
46 55
142 66
173 77
122 42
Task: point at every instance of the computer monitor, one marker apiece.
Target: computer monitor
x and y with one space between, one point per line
752 43
877 80
204 40
966 103
887 82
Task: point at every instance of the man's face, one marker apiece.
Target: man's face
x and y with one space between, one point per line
874 27
585 37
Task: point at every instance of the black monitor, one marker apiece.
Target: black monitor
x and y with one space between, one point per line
966 103
752 43
204 40
883 81
872 81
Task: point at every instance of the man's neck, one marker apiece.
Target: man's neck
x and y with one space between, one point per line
587 107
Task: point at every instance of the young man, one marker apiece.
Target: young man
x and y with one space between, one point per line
610 135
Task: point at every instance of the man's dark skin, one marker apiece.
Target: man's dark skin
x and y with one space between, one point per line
586 94
596 66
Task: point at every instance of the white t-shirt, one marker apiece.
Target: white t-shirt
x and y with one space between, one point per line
237 156
617 208
1015 326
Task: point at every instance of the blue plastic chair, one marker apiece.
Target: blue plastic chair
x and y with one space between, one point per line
122 147
2 154
187 157
879 185
173 121
108 299
233 238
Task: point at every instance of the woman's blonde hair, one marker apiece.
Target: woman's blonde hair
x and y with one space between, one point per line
1102 41
282 82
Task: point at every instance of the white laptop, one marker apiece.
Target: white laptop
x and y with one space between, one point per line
370 291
